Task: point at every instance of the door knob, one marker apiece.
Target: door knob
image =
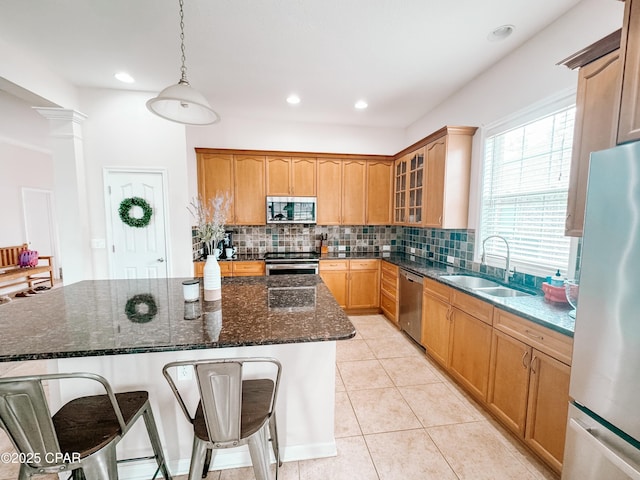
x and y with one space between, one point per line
161 259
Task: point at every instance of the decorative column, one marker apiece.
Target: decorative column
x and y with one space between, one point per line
70 192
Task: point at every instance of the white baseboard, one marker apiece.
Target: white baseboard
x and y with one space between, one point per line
224 459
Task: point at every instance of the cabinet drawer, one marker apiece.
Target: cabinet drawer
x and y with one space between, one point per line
248 268
364 264
472 305
389 286
388 269
225 269
437 289
388 306
334 265
552 343
198 269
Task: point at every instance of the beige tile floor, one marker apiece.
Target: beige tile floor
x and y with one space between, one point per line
398 416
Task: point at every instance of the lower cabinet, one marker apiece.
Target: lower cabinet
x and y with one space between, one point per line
436 320
528 388
517 368
389 277
470 352
238 268
355 284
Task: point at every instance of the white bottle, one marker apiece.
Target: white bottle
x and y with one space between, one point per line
212 281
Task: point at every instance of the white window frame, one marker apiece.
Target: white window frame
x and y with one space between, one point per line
536 111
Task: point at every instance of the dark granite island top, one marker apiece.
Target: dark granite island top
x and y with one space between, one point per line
111 317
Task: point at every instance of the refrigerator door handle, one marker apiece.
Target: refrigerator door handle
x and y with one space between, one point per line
614 457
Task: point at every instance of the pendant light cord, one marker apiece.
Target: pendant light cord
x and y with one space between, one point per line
183 57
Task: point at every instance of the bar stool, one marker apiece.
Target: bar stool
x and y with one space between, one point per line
232 411
80 437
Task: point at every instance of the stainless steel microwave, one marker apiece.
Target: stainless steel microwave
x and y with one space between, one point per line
291 209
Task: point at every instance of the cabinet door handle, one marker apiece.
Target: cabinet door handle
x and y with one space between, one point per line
524 364
533 335
533 363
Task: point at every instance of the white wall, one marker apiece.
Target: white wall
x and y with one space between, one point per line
525 77
25 161
121 132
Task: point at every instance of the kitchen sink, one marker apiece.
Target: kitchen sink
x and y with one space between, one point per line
483 285
502 292
471 282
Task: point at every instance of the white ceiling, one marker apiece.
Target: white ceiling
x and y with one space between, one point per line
402 56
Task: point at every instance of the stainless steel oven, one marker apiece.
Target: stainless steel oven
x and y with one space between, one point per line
292 263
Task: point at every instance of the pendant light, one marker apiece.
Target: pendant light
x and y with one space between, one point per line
181 103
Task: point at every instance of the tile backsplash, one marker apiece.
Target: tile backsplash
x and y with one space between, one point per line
443 246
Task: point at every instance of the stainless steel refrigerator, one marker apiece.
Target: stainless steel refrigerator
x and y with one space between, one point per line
603 431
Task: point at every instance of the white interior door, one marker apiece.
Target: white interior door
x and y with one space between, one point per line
39 224
137 252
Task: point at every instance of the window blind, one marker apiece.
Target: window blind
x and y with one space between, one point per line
524 195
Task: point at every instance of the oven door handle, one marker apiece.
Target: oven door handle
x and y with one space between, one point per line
290 266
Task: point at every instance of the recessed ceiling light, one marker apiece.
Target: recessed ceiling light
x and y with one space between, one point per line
500 33
361 105
293 99
124 77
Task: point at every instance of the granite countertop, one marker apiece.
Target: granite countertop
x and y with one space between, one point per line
534 308
239 257
111 317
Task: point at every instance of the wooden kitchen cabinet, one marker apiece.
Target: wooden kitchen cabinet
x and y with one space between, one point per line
355 284
595 129
415 188
329 192
436 321
470 352
291 176
335 274
529 387
389 284
548 408
432 180
629 106
400 190
448 170
364 284
242 177
236 268
249 190
379 191
215 176
341 190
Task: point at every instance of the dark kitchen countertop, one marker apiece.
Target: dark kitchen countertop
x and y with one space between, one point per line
534 308
240 257
89 318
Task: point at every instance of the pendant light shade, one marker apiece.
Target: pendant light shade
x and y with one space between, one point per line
180 102
183 104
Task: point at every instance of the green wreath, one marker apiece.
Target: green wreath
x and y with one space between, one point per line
141 308
125 209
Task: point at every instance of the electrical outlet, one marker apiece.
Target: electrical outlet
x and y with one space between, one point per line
185 372
342 248
386 248
413 250
450 259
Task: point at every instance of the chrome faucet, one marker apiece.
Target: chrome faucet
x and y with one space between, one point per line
507 273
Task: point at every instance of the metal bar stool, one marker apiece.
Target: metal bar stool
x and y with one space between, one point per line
81 436
232 411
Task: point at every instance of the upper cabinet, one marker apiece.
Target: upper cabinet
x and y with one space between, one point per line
291 176
432 180
629 107
379 192
242 176
341 191
594 129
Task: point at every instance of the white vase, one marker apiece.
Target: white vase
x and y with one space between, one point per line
212 280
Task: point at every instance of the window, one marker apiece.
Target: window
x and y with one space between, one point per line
524 193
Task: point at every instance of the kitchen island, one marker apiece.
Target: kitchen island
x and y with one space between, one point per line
126 330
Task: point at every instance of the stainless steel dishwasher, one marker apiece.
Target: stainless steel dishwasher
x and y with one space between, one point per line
410 318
